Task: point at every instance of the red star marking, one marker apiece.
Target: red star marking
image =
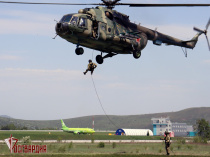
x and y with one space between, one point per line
138 40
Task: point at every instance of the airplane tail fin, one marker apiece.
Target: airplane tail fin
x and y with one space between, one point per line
63 124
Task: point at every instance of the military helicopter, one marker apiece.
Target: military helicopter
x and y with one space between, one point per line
111 32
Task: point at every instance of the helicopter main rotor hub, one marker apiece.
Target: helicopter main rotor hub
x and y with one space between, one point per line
109 3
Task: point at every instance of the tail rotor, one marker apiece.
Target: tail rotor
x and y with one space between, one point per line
204 32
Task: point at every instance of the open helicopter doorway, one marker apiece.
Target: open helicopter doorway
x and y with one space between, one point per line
99 30
95 33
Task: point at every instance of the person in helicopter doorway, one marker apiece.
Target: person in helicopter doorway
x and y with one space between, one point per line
167 142
95 30
91 66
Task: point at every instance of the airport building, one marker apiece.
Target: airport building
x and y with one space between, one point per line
162 124
134 132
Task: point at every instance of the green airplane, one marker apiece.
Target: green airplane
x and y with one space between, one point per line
76 130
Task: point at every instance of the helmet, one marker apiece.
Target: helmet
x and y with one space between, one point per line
166 132
90 60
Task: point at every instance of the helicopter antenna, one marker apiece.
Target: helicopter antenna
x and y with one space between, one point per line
184 51
109 3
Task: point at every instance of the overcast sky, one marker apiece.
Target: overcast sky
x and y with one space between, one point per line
42 78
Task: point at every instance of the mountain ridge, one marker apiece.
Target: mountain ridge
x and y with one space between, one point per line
101 122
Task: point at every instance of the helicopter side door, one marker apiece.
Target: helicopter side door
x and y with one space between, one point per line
102 33
105 31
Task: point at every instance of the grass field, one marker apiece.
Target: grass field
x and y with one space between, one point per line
128 149
110 150
97 155
43 135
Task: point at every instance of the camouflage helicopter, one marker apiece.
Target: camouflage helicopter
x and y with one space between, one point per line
111 32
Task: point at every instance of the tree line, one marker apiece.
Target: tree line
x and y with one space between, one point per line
202 128
13 127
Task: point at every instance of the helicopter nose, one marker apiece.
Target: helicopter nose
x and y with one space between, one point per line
61 28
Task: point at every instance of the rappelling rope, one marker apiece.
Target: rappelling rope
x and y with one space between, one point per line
101 104
92 54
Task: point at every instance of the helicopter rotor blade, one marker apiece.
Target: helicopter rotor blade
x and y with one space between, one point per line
207 25
198 30
208 42
161 5
10 2
112 4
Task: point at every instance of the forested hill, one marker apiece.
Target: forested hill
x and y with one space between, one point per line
188 116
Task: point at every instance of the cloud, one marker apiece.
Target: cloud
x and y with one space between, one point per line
9 57
206 62
56 74
25 22
183 32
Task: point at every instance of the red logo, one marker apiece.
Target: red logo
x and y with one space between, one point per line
138 40
14 148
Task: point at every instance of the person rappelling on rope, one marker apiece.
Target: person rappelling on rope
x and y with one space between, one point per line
91 66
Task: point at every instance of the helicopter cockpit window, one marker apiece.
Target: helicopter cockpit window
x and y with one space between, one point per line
82 22
66 18
74 20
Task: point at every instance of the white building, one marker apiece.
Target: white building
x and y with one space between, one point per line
160 125
134 132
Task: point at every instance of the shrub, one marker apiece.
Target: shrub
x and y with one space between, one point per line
114 145
189 147
137 150
62 149
26 140
198 139
59 139
101 145
181 140
172 148
70 145
205 141
160 150
92 140
145 147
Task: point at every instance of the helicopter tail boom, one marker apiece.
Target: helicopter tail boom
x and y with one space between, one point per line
191 43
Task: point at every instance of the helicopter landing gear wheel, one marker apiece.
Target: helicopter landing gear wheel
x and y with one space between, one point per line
79 51
136 54
99 59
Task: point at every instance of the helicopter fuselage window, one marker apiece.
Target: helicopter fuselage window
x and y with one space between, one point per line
66 18
74 20
82 22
